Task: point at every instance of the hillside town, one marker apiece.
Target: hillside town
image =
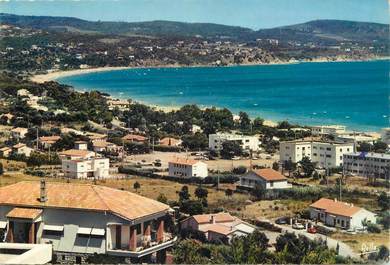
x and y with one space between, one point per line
89 178
100 179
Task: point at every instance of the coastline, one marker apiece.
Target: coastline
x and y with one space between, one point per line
52 76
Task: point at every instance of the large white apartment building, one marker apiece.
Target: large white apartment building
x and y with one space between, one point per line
385 135
328 129
325 154
187 168
247 142
367 164
81 164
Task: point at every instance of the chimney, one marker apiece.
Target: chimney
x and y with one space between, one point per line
212 219
43 192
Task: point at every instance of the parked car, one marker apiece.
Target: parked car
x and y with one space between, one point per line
298 226
281 221
312 230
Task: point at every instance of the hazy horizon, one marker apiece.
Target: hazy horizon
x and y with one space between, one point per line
254 14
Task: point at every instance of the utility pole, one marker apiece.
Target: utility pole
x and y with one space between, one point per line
37 138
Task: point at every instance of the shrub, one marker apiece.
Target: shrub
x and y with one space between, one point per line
373 228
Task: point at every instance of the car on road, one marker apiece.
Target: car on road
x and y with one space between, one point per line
312 230
298 226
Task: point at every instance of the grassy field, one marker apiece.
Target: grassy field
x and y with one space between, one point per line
364 240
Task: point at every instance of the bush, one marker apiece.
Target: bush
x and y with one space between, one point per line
373 228
239 170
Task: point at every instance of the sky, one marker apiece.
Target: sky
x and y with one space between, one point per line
254 14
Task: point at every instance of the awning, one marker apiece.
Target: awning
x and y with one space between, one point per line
24 213
84 230
3 224
98 232
57 228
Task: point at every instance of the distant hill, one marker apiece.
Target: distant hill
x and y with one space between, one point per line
330 30
326 31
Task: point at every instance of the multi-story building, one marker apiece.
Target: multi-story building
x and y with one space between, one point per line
250 143
325 154
81 220
187 168
367 164
97 167
327 130
385 135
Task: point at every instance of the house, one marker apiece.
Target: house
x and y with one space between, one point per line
19 133
5 151
120 104
187 168
81 145
7 117
108 147
75 154
248 143
134 138
92 137
45 142
21 149
340 214
79 220
96 167
367 164
327 154
327 130
218 227
169 141
266 178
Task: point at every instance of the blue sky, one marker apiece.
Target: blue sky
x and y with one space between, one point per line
248 13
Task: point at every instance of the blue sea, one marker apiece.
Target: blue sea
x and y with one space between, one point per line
355 94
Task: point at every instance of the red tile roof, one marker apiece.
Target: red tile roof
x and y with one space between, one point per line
218 218
76 153
24 213
336 207
134 137
184 161
88 197
269 174
49 139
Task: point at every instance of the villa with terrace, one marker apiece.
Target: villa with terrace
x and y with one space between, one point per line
80 220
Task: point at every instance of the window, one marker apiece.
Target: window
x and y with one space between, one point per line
271 184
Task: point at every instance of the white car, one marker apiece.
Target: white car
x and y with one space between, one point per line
298 226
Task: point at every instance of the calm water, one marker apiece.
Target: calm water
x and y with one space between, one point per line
355 94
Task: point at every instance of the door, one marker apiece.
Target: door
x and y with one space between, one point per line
118 237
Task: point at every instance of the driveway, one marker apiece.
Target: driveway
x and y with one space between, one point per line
344 249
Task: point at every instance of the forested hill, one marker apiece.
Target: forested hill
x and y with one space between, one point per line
318 30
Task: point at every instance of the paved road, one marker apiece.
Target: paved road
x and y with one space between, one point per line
344 249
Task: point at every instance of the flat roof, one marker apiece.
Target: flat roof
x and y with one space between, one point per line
370 155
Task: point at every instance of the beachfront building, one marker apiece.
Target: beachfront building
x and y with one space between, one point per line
385 135
122 105
81 220
249 143
367 164
267 178
340 214
356 137
187 168
327 130
327 154
218 227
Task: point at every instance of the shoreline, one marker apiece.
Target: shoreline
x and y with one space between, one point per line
52 76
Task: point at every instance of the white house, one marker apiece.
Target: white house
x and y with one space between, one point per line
219 226
267 178
325 154
86 168
367 164
251 143
357 137
187 168
19 133
81 145
21 149
327 130
75 154
340 214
